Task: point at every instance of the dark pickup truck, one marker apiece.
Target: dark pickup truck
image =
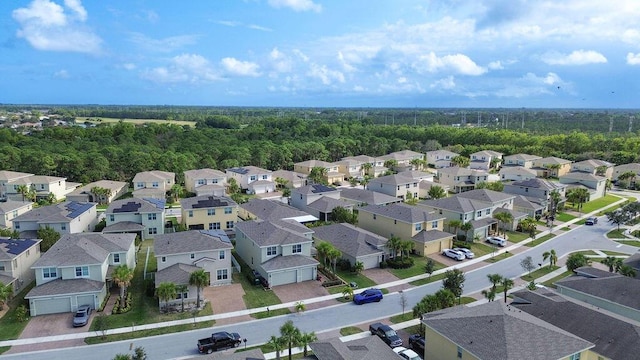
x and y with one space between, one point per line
416 342
219 340
386 333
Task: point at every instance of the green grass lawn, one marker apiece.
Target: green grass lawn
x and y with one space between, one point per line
499 257
11 329
550 282
516 237
635 243
616 234
587 252
350 330
417 269
599 203
428 280
539 273
614 253
540 240
480 249
360 279
564 217
408 315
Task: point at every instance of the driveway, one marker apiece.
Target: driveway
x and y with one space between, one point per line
301 291
225 299
383 276
48 325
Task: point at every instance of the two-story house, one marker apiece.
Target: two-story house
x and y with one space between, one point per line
209 213
180 254
461 179
350 168
290 179
264 209
76 271
205 182
280 250
371 166
355 244
516 173
626 168
331 173
11 209
318 200
595 167
360 197
551 167
537 188
101 192
404 160
69 217
6 183
395 185
16 258
407 222
524 160
153 184
252 179
43 187
144 217
440 158
596 185
485 160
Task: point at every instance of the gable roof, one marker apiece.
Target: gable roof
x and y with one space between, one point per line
177 273
530 203
395 179
367 196
362 158
595 163
579 175
84 249
524 157
455 204
486 195
402 212
326 204
275 210
367 348
290 176
154 175
249 170
205 173
62 212
12 248
189 242
517 170
206 202
401 155
442 152
426 236
136 205
11 205
350 240
537 183
486 153
612 336
458 171
314 189
114 186
552 160
288 262
618 289
9 176
269 233
63 287
497 331
315 163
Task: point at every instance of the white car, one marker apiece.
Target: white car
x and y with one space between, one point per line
497 240
405 353
457 255
467 253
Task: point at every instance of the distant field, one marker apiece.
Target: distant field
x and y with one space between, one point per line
98 120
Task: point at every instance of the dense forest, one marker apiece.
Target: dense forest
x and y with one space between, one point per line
120 150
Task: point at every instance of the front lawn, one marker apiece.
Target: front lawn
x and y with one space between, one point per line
539 273
635 243
11 329
350 330
480 249
499 257
564 217
417 269
428 280
550 282
255 296
348 277
540 240
516 237
617 234
599 203
614 253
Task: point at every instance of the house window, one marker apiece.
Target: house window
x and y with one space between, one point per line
434 224
201 182
28 252
374 216
190 213
112 218
222 274
296 249
221 255
163 259
526 189
479 213
214 226
50 273
82 271
408 186
271 250
264 177
228 210
63 226
184 295
214 181
116 258
460 216
575 356
151 216
459 352
192 256
2 267
153 231
154 184
253 178
139 185
418 227
395 222
229 224
211 212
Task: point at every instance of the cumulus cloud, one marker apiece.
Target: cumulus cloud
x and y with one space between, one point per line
190 68
280 62
241 68
633 59
325 75
445 83
495 65
296 5
47 26
458 63
577 57
165 45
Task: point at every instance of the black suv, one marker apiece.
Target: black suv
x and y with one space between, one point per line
416 342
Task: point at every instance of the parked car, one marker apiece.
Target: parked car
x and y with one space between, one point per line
416 342
219 340
456 255
591 221
497 240
386 333
367 296
467 253
81 317
405 353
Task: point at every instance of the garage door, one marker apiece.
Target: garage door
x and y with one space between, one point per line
52 306
86 300
305 274
284 277
370 262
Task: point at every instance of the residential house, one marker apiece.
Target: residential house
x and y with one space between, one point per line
407 223
318 200
417 175
613 336
494 331
11 209
272 210
69 217
395 185
461 179
292 178
624 168
371 166
16 258
609 291
350 169
209 212
279 250
425 186
595 167
252 179
115 189
77 270
331 173
524 160
42 185
205 182
485 160
356 244
596 185
440 158
551 167
516 173
533 207
181 253
6 182
404 159
360 197
153 184
536 188
144 217
364 348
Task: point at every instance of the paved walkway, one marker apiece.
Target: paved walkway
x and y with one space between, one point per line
240 313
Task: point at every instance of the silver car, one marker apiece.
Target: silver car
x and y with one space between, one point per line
467 253
81 318
453 254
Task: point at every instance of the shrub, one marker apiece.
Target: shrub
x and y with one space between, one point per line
461 244
400 263
21 314
330 283
127 304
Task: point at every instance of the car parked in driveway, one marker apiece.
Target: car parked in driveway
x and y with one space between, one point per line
497 240
456 255
591 221
81 317
407 354
467 253
416 342
367 296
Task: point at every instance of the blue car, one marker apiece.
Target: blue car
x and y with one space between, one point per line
367 296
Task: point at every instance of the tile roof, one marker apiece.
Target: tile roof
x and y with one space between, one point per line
135 205
288 262
206 202
361 196
62 212
402 212
84 249
271 210
269 233
64 287
495 331
177 273
351 240
367 348
191 241
618 289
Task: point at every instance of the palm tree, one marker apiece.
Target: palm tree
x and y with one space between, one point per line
555 198
405 247
233 187
5 294
290 334
553 169
466 227
23 189
334 255
391 164
122 276
318 175
366 167
181 289
607 186
323 248
393 244
611 262
281 183
627 270
455 224
503 218
489 294
306 339
176 192
528 224
506 284
551 255
494 279
578 196
436 192
358 267
199 279
347 291
277 344
460 161
166 291
416 163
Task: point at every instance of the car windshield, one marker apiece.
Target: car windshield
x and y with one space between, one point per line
80 314
391 333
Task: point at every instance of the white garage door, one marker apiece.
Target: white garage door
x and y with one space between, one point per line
305 274
282 278
369 262
86 300
52 306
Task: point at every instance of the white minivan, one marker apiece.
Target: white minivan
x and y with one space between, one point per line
497 240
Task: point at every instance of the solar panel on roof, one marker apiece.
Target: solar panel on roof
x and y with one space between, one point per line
318 188
76 209
158 203
239 170
130 206
210 202
17 246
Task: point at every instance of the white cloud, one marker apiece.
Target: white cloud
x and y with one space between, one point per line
165 45
296 5
301 55
345 64
280 61
633 59
495 65
577 57
61 74
129 66
325 75
458 63
231 23
258 27
242 68
445 83
190 68
46 26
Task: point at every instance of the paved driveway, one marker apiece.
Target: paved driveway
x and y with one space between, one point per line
47 325
224 299
301 291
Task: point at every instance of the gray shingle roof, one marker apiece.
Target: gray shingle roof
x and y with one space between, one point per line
361 196
154 175
619 289
367 348
614 338
84 249
578 175
11 205
517 170
525 157
269 233
6 280
135 204
426 236
552 160
11 248
288 262
539 184
271 210
249 170
458 171
402 212
455 204
6 175
114 186
314 189
192 241
593 163
123 226
530 203
177 273
64 287
486 195
395 179
326 204
206 202
495 331
62 212
351 240
401 155
633 260
205 174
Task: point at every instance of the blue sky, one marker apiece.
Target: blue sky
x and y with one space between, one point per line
322 53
